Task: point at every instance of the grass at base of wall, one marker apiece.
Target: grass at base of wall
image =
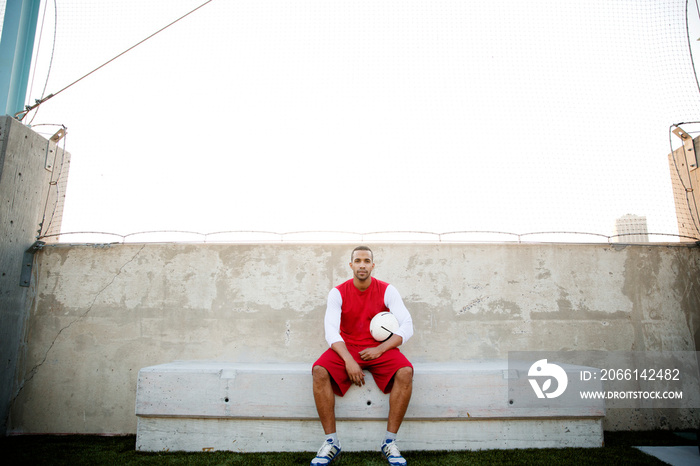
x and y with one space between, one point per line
93 450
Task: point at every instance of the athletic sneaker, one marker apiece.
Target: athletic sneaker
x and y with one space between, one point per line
328 452
392 453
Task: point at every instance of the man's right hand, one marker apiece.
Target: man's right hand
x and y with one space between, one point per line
353 369
355 373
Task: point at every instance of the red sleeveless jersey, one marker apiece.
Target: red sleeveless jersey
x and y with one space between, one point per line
358 308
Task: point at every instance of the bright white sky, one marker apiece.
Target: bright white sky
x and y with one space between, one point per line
367 115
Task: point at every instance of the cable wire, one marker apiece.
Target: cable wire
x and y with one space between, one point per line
690 50
38 48
363 236
20 115
53 50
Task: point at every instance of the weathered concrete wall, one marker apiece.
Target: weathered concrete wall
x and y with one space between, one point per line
103 312
32 182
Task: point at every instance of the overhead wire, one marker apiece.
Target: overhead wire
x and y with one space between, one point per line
363 236
20 115
38 49
53 50
690 49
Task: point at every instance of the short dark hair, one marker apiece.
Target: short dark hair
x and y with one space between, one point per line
361 248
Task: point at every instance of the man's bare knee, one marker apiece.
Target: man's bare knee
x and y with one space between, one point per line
404 376
320 374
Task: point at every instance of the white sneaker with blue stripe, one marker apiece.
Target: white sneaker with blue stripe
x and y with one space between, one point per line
392 453
328 452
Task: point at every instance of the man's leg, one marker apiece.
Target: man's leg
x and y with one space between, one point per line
399 398
398 403
324 398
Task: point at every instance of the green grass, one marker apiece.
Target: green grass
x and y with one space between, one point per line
94 450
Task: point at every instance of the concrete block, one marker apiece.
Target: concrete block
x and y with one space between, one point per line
209 405
256 435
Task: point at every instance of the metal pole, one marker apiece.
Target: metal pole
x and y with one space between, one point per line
16 48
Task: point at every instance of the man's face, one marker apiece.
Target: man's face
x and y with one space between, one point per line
362 265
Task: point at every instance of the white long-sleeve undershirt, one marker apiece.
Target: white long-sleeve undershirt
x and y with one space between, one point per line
392 300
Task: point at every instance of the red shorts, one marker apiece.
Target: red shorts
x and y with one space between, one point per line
382 369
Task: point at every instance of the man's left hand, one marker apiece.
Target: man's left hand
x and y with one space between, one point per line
368 354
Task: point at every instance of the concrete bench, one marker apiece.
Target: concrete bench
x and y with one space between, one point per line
209 405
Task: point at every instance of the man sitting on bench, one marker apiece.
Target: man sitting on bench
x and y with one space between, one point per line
350 309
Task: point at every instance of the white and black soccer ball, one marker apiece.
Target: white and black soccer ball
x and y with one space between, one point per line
383 326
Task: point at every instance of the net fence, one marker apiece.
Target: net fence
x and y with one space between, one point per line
368 120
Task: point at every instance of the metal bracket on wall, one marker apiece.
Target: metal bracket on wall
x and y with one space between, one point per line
689 149
51 148
27 262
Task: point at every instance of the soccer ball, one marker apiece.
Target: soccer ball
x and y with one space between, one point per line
383 326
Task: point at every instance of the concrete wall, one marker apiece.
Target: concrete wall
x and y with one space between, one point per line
102 312
33 176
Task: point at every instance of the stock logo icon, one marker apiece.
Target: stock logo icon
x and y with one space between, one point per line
543 369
